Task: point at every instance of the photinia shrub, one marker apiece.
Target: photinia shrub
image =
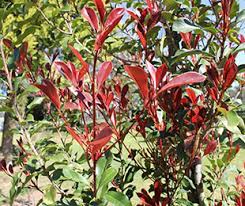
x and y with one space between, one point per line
151 116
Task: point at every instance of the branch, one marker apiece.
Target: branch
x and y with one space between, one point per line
52 24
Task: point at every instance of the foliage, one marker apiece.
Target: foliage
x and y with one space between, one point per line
140 89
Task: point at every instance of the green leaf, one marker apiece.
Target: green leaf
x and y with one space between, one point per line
211 29
26 33
240 16
117 199
71 174
6 109
187 182
170 4
233 129
184 53
31 88
232 118
49 195
241 47
184 25
100 168
35 102
107 177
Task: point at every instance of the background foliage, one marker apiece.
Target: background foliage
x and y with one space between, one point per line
156 134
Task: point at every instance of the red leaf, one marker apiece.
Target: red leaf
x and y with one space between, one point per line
103 73
71 106
183 79
80 58
152 6
230 71
109 99
68 70
8 43
23 51
7 168
101 9
191 94
140 77
152 71
133 15
48 88
124 90
211 146
101 140
113 19
197 40
240 182
114 15
90 16
213 75
241 38
213 92
155 17
157 190
156 74
74 135
142 34
176 98
160 74
113 117
145 198
186 37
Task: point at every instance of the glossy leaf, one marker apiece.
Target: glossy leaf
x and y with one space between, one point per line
184 53
160 73
232 118
113 16
107 177
80 58
90 15
100 168
183 79
211 146
8 43
152 71
71 174
191 94
186 37
48 88
117 198
74 135
157 190
101 140
113 19
49 195
140 77
230 71
156 74
133 15
101 9
150 4
184 25
68 70
142 34
103 73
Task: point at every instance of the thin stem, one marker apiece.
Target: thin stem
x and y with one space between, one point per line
51 23
5 67
94 119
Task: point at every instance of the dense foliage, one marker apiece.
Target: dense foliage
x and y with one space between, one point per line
135 102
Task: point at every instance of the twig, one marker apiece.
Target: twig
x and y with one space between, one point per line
51 23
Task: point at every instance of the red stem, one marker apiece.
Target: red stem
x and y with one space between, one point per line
94 120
